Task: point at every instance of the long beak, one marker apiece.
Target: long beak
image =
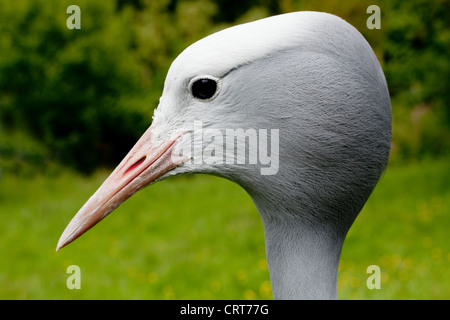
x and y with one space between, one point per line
143 165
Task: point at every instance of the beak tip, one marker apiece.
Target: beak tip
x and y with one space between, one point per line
123 182
61 243
66 238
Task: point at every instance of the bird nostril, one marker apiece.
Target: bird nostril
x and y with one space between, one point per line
136 164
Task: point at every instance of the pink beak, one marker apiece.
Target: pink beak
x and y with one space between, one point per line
143 165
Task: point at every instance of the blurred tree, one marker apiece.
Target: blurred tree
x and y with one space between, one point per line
416 55
65 86
136 4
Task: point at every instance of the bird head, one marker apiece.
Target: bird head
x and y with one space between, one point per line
294 108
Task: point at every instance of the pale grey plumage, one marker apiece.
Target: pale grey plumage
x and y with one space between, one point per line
327 94
315 78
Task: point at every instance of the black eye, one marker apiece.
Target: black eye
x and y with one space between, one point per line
204 88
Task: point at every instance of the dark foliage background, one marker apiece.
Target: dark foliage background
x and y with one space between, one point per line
81 98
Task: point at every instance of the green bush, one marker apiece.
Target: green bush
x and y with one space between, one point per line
68 86
416 63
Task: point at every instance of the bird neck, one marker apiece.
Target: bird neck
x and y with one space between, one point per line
303 260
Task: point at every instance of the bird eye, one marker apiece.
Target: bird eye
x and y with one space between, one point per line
204 88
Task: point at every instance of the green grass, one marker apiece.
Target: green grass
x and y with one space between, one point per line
404 230
200 237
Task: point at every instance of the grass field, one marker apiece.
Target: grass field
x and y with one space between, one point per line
200 237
